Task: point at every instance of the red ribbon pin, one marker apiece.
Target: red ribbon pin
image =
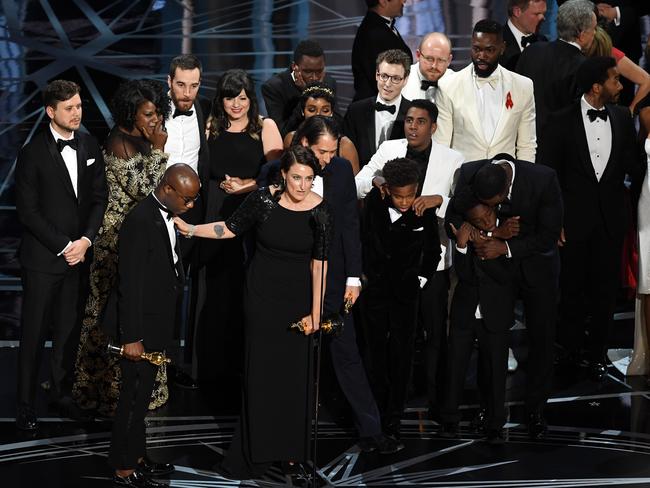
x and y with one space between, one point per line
509 103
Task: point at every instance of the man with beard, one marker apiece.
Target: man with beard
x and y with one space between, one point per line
524 20
484 108
434 57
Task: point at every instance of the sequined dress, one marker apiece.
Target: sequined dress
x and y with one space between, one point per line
132 172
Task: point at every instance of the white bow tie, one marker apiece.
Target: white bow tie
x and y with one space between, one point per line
493 81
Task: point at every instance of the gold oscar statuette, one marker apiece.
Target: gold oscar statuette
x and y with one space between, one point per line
332 325
155 358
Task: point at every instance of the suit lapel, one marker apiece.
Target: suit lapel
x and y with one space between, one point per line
506 85
82 157
58 161
614 124
581 140
159 222
370 127
470 92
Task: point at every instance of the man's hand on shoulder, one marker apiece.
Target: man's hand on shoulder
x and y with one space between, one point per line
425 202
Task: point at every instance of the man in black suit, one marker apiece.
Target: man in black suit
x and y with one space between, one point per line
61 196
552 65
282 91
592 146
150 281
532 193
376 34
378 118
522 29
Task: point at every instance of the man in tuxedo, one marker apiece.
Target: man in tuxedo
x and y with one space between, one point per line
61 196
375 119
438 167
150 281
376 34
530 192
592 146
484 108
434 57
186 143
522 29
552 65
282 91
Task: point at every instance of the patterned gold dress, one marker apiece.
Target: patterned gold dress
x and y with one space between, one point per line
132 172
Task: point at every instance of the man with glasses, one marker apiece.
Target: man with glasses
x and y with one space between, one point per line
387 109
434 57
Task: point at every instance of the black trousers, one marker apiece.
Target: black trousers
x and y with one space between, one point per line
128 442
389 329
49 300
589 281
433 314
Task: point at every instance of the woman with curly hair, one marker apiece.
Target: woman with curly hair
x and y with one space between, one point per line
240 141
135 162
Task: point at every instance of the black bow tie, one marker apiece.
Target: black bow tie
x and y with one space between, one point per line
597 114
165 210
61 143
426 84
379 107
530 39
178 113
391 23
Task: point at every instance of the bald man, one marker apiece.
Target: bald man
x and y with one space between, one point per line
149 285
433 60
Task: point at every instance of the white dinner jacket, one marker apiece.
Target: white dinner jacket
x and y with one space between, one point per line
412 90
459 122
443 166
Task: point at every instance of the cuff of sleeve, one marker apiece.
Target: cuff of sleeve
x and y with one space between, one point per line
353 281
442 209
508 253
647 149
423 281
90 243
462 250
617 19
65 248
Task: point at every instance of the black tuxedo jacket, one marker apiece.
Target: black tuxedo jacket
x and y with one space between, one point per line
359 126
511 55
627 35
47 207
340 193
281 97
587 201
149 283
400 251
552 67
537 199
373 37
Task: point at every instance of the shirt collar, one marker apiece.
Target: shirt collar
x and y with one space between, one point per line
58 136
585 105
574 44
173 107
517 33
495 74
395 101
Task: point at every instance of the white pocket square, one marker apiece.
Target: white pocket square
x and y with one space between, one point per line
89 162
418 229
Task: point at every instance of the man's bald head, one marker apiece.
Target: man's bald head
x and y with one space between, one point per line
179 188
434 55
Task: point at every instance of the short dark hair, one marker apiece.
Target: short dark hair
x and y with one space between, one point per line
395 56
315 127
465 200
427 105
372 3
488 26
131 94
230 85
308 47
299 155
318 89
593 70
522 4
184 62
59 91
489 181
401 172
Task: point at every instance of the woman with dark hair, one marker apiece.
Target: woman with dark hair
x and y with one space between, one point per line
283 285
319 99
240 142
135 162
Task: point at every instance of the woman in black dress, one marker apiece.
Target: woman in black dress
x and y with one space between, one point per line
240 142
283 285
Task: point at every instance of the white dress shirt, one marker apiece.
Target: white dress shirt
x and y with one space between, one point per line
517 34
183 139
599 138
489 98
171 230
384 120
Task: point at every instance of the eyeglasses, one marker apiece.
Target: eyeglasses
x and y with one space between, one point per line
394 79
434 61
186 200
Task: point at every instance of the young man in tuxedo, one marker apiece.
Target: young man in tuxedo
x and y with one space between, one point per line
438 167
378 118
376 34
592 146
61 196
552 65
150 281
434 57
522 29
532 193
484 108
282 91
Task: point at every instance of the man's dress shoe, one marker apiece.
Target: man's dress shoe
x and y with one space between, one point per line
150 468
136 480
478 422
180 378
381 443
26 418
536 426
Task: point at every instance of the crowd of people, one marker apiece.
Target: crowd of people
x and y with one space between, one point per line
437 201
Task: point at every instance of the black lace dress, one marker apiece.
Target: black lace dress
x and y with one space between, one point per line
277 407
